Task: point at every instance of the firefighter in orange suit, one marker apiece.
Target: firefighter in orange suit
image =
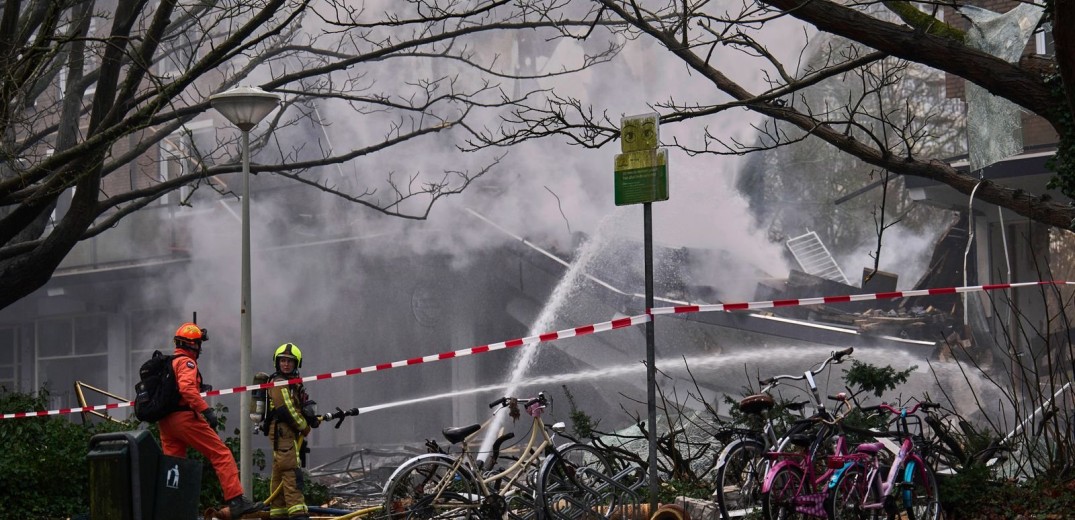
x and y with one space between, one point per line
289 420
194 424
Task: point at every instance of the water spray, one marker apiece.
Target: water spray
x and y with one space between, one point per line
563 289
666 365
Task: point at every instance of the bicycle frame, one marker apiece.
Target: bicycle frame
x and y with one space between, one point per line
809 496
907 461
765 441
536 448
873 467
768 434
802 460
467 466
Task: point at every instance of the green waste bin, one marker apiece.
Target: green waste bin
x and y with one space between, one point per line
179 484
123 470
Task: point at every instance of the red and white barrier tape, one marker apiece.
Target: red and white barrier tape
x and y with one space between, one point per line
549 336
577 331
681 309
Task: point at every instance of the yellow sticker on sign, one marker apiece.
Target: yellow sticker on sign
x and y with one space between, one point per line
638 133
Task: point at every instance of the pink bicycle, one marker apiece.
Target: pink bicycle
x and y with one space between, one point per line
794 485
909 489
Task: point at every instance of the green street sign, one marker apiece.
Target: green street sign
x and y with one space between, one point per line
641 176
641 173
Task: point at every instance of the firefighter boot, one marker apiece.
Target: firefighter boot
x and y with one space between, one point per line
240 506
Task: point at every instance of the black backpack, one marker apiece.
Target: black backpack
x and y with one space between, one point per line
157 394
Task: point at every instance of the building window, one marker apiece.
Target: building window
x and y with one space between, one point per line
1045 43
171 163
150 329
187 151
177 56
91 61
70 349
9 380
63 203
94 49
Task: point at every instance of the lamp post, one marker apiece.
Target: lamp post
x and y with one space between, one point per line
245 107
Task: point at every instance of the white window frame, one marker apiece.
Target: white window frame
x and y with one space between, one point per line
1040 41
91 58
173 62
177 147
12 384
170 150
57 400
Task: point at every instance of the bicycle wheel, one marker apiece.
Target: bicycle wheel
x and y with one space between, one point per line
778 503
740 472
848 497
918 492
569 485
430 489
520 498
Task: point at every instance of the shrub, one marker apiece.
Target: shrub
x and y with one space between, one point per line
46 472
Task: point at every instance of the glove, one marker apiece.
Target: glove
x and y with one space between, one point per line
210 417
309 412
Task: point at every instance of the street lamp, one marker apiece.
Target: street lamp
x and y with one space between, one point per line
245 107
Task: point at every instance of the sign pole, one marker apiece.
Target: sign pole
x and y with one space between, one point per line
641 177
651 357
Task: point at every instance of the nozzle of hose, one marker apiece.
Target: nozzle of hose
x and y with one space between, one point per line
339 415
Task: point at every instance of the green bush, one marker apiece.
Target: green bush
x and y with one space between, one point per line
44 472
972 495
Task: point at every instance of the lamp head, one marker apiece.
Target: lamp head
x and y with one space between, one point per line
244 107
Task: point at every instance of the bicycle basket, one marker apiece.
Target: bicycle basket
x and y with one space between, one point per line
910 426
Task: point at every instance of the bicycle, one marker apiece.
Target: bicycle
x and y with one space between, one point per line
440 485
909 488
741 464
794 484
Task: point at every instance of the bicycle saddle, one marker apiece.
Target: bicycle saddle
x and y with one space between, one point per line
802 440
756 404
871 448
458 433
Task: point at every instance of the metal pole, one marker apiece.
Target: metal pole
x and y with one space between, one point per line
245 460
651 356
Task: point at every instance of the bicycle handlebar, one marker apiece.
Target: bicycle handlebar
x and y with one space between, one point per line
835 357
924 405
527 401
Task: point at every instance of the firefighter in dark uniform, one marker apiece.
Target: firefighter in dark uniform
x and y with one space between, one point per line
288 427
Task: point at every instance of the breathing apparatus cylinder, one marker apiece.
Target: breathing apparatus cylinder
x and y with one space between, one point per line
257 399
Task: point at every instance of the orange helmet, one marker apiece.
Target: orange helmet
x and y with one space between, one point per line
189 334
